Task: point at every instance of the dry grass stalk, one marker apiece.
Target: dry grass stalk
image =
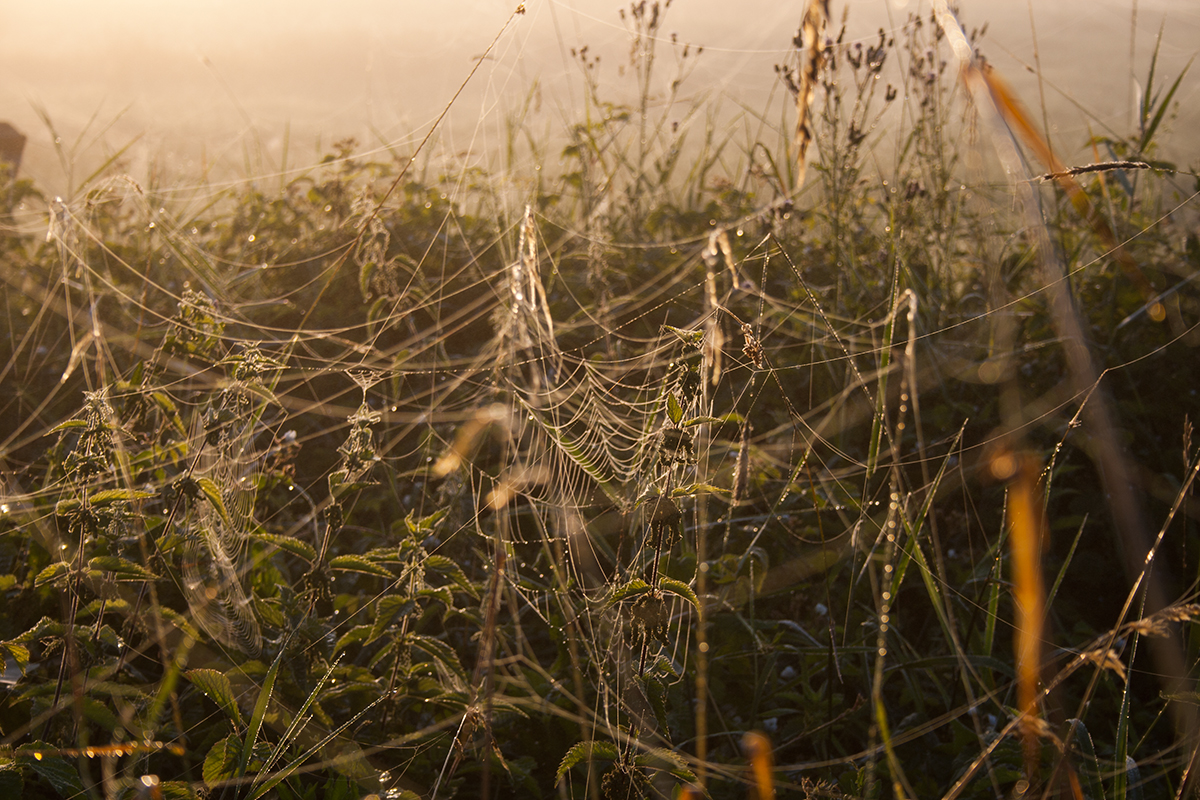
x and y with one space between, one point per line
1029 594
810 46
758 750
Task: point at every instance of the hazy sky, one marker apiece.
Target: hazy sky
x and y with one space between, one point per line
200 79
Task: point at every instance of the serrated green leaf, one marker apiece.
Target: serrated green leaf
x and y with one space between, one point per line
357 634
423 524
164 402
635 586
694 338
113 495
18 653
121 569
680 588
438 650
55 769
216 687
355 563
674 410
701 421
45 627
68 425
656 693
63 508
386 610
693 489
176 790
221 763
659 758
213 494
445 566
290 544
586 751
50 573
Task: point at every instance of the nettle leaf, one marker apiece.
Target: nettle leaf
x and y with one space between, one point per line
217 687
121 569
674 409
114 495
424 524
386 611
68 425
50 573
634 587
438 650
585 752
45 628
164 402
359 633
355 563
680 588
656 693
693 489
221 763
55 769
213 494
702 421
290 544
18 653
660 758
446 566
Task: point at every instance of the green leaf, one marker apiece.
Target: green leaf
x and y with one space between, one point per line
50 573
659 758
213 493
701 421
619 593
221 763
354 563
176 790
424 524
438 650
216 687
356 634
680 588
55 769
674 410
113 495
694 338
446 566
290 544
121 569
386 611
586 751
693 489
68 425
11 782
19 654
656 693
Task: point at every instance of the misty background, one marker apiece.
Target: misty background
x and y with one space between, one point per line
227 90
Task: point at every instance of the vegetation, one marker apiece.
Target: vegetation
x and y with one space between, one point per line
646 475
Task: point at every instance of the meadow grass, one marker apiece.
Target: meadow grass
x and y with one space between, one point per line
825 464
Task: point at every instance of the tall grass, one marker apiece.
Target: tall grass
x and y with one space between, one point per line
673 473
